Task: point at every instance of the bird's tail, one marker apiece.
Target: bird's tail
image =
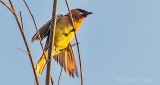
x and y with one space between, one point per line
67 60
41 63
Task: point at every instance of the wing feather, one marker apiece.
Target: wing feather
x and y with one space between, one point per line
44 30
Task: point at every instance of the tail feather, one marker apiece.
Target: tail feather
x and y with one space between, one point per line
41 63
67 60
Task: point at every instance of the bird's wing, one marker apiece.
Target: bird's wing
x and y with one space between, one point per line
67 60
44 30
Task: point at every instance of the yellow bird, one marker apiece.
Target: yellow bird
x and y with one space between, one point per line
64 33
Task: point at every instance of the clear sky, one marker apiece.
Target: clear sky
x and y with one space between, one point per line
119 43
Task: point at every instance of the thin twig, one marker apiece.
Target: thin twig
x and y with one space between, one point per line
24 38
21 18
52 82
22 27
60 76
51 41
8 7
39 37
74 44
23 50
80 62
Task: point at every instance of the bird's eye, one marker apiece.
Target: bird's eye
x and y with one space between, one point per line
81 13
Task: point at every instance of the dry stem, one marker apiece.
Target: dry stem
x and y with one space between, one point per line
51 41
23 35
39 37
80 62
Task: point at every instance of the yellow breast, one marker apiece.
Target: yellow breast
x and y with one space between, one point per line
63 27
61 41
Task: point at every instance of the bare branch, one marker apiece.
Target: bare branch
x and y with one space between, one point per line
23 50
24 38
21 18
60 76
39 37
80 62
51 41
9 8
11 4
52 82
74 44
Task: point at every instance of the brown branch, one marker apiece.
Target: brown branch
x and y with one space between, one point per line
52 82
21 18
39 37
24 38
23 50
80 62
74 44
60 76
51 41
9 8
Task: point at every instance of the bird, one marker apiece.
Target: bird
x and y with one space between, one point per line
64 33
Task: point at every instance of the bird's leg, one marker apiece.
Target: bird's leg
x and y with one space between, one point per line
65 48
66 34
73 30
74 44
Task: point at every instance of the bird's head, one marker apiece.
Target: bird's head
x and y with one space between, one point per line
79 13
82 12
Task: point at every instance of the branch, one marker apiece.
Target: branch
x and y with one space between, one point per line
80 62
60 76
39 37
21 18
51 41
23 50
23 35
9 8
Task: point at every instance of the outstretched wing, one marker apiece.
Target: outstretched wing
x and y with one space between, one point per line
45 29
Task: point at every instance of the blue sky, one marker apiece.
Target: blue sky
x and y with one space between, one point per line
119 43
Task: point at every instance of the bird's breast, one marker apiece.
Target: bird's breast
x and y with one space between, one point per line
63 36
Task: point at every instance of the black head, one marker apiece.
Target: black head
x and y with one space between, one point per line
84 12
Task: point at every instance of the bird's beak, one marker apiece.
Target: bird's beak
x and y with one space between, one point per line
88 13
